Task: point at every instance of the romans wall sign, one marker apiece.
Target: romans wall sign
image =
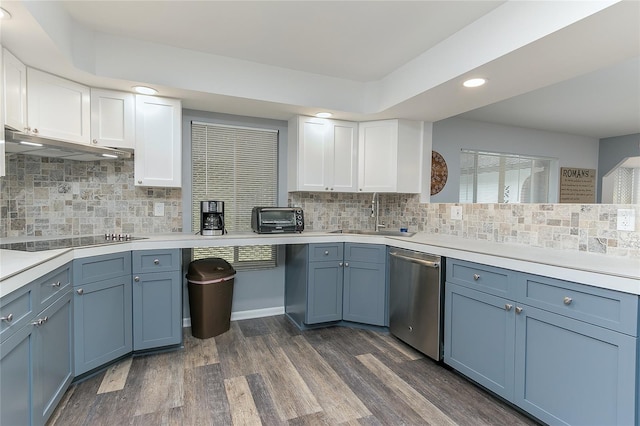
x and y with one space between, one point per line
577 185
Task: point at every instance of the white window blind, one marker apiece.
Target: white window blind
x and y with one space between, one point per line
239 166
627 185
487 177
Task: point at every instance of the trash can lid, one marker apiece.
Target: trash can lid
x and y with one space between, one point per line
212 268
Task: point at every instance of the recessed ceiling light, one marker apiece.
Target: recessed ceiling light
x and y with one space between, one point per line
324 115
4 14
474 82
144 90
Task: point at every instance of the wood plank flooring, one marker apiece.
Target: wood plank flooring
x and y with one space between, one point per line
265 371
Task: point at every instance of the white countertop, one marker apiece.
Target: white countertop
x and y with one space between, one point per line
623 274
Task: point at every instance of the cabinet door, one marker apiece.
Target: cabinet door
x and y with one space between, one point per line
324 295
315 152
102 322
16 377
53 360
157 310
364 293
58 108
158 142
571 372
344 164
479 337
378 156
15 92
113 119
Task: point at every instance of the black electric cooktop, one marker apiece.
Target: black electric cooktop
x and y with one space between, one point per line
74 242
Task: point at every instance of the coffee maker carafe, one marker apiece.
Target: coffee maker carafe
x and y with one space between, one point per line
211 217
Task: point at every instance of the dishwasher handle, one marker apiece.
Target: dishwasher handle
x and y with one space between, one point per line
428 263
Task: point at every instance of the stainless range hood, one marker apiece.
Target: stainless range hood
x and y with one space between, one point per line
18 142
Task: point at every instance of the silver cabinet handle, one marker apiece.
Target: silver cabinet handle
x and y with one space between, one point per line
136 279
8 318
508 307
326 252
346 264
27 129
80 291
35 131
56 284
326 188
139 182
95 141
518 310
156 261
476 277
37 322
567 300
340 264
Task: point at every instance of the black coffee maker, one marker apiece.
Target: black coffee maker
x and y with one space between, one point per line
211 217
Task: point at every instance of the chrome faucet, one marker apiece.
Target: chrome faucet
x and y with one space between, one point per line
375 211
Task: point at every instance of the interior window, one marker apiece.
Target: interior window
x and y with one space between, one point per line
239 166
489 177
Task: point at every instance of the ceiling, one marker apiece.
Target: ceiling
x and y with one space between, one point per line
563 66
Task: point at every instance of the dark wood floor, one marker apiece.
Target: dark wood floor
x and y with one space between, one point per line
265 371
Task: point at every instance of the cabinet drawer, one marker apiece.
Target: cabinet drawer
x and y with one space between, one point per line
156 260
371 253
17 308
607 308
52 285
322 252
480 277
98 268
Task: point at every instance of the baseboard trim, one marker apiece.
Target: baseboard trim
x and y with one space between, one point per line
242 315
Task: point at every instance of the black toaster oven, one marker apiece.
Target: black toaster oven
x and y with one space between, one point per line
271 220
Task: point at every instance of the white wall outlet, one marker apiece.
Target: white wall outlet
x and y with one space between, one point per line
158 209
456 212
626 220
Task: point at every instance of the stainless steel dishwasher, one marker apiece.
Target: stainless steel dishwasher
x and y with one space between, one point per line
415 300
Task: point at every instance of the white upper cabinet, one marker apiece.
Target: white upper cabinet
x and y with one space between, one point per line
322 155
158 147
15 92
389 156
58 108
113 119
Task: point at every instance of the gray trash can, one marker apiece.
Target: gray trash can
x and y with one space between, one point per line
210 283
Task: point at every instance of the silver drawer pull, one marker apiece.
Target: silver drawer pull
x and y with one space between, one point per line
476 277
326 252
38 322
518 310
8 318
136 279
346 264
56 284
508 307
156 261
340 264
80 291
567 300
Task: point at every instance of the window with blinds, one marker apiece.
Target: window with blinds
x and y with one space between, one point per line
239 166
487 177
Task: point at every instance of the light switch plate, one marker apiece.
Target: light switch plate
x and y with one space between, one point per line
626 220
456 212
158 209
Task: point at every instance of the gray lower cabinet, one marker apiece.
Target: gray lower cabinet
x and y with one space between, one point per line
36 357
102 310
564 352
157 298
336 281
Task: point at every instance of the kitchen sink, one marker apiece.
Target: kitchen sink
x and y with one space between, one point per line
385 233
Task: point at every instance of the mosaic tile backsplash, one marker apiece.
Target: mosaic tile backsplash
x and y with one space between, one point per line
581 227
55 197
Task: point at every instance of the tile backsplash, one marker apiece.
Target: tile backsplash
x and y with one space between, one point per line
581 227
55 197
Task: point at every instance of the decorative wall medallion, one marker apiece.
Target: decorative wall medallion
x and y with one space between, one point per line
439 172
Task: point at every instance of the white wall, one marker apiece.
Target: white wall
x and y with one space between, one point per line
452 135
